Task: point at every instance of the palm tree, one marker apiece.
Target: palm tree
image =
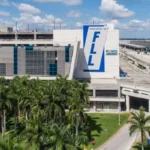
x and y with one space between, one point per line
5 103
139 145
56 100
17 93
10 145
26 99
78 102
139 123
62 138
53 136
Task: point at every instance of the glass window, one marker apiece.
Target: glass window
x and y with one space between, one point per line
107 93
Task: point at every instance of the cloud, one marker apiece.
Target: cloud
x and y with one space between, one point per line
38 21
136 25
114 10
51 18
74 14
4 13
66 2
79 24
27 8
4 2
96 20
6 23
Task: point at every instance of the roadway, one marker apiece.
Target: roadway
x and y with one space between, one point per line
121 141
135 76
141 56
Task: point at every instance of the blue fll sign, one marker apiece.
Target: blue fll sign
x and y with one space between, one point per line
94 37
92 52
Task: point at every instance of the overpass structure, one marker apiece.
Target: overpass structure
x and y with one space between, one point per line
137 54
132 46
135 87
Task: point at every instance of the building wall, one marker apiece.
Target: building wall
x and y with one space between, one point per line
19 60
6 60
110 40
6 29
68 36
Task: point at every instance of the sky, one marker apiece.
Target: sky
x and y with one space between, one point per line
131 17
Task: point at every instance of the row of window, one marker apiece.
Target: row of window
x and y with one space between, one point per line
26 37
35 60
67 54
104 93
53 69
15 60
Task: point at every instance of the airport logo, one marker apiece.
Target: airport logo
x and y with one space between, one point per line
94 37
111 52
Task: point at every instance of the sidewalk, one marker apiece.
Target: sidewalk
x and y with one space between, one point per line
121 141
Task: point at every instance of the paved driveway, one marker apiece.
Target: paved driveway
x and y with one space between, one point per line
121 141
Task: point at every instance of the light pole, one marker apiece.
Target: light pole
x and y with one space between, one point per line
119 110
106 132
77 123
119 95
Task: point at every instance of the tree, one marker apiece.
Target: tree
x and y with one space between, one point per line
78 102
138 146
5 103
14 97
10 145
17 95
53 136
139 123
39 109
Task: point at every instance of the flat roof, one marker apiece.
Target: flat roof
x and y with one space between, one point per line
132 45
25 32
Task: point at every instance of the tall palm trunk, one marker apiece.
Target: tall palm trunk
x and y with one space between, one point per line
15 120
4 120
19 114
26 115
2 126
142 140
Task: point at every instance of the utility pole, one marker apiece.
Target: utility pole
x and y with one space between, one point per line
54 24
16 26
106 133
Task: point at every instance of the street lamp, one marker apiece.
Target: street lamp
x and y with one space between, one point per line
119 110
77 123
106 133
119 105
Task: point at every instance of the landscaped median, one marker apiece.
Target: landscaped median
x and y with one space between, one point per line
103 126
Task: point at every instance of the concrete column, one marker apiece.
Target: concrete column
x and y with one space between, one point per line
16 36
45 65
149 106
119 96
127 103
94 106
94 93
34 35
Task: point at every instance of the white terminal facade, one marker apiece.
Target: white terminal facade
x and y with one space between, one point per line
89 54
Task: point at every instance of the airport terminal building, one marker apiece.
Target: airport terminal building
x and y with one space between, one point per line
90 54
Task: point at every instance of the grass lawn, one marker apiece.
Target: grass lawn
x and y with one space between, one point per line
100 122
